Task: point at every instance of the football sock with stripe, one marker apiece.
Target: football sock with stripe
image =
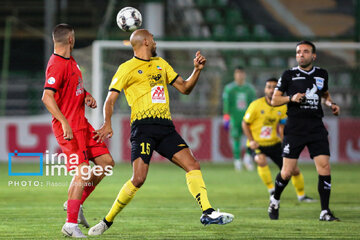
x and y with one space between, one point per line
125 195
280 185
324 188
197 188
265 175
298 182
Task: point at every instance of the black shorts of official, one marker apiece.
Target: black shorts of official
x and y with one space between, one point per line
273 152
163 139
317 144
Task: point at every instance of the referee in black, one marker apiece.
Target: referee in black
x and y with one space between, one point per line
304 86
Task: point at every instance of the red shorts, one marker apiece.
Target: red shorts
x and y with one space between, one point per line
82 147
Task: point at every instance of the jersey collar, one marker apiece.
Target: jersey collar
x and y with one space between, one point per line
61 56
308 73
141 59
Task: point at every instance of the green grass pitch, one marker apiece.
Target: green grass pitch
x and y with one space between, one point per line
164 209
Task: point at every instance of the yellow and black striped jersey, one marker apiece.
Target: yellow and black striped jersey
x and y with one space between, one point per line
145 86
263 120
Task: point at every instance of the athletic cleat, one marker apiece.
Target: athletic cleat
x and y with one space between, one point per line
81 217
306 199
98 229
237 165
327 215
273 209
271 192
72 230
216 217
248 162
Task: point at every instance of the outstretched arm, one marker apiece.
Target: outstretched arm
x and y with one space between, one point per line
106 130
186 86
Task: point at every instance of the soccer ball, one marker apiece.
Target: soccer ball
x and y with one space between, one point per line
129 19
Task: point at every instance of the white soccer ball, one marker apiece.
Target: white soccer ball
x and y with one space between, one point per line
129 19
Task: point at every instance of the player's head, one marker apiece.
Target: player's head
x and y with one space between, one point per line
143 39
63 34
305 53
270 87
239 75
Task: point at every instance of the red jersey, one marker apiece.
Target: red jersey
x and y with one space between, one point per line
63 76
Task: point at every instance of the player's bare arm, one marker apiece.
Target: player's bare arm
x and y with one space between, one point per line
90 101
50 104
186 86
106 130
281 131
246 128
278 99
328 102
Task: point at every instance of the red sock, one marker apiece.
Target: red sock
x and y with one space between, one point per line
86 193
73 206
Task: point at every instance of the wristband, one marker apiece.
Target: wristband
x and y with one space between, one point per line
290 97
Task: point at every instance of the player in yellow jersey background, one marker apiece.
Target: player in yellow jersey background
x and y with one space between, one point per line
261 124
144 80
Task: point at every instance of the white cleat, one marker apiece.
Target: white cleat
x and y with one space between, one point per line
72 230
248 162
98 229
216 217
81 218
237 165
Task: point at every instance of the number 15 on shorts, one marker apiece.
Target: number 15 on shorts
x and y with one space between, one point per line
145 148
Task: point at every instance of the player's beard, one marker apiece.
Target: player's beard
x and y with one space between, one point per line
305 64
153 52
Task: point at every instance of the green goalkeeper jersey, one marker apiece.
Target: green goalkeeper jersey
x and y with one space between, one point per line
236 99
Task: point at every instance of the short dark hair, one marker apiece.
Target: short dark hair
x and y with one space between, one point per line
239 68
272 79
307 43
61 31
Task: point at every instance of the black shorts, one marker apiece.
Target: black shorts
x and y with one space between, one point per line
273 152
149 137
317 144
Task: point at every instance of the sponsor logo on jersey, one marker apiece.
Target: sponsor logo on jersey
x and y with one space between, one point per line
319 82
80 87
156 77
140 72
158 67
51 80
158 94
266 132
312 99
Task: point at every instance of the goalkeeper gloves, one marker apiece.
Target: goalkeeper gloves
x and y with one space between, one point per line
226 121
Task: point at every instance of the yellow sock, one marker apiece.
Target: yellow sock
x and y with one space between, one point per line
265 175
298 182
125 195
197 188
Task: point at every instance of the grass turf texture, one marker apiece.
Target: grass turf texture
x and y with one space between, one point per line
164 209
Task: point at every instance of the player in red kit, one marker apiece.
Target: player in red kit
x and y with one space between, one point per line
65 98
